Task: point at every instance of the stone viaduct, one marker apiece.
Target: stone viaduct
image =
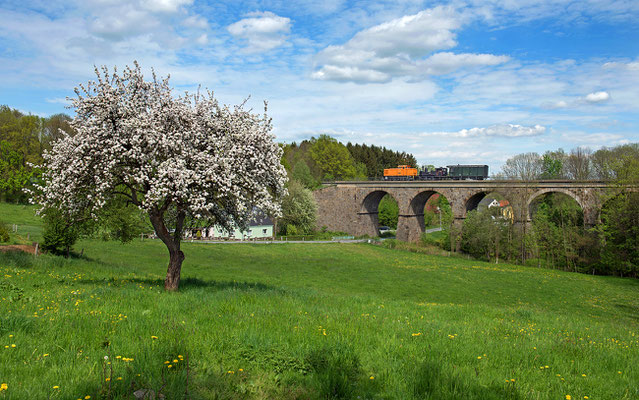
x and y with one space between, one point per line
353 206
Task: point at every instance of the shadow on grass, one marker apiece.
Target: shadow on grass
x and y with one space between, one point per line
629 310
189 283
431 380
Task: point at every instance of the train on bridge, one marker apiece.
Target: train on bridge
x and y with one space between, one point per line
450 172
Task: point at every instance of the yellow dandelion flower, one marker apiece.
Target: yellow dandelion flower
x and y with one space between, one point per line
175 361
372 377
241 370
107 379
87 397
45 355
56 387
154 337
479 357
169 366
568 397
167 362
13 345
584 375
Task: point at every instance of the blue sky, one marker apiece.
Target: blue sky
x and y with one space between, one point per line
451 82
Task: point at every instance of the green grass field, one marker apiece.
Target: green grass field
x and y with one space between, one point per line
291 321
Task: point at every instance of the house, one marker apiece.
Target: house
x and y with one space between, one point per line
506 209
260 227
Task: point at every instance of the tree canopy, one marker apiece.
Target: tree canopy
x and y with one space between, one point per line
184 156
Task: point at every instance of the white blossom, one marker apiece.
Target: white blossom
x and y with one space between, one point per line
136 138
186 154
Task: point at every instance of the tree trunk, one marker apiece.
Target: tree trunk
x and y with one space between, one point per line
172 242
172 281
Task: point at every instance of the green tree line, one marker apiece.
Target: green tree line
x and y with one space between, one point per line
23 139
325 159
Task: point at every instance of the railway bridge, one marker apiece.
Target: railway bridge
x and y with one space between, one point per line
352 206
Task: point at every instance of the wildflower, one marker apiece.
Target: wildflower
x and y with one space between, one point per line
13 345
584 375
372 377
175 361
169 366
107 379
479 357
4 386
512 380
45 355
87 397
154 337
241 370
119 378
568 397
230 372
56 387
167 362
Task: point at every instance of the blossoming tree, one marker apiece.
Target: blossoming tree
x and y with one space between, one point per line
176 158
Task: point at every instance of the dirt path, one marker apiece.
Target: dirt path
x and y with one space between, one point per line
18 247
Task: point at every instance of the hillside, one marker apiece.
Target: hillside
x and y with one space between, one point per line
308 321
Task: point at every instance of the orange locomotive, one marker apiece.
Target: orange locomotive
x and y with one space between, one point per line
401 173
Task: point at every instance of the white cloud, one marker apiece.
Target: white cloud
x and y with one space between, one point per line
445 62
262 30
595 140
165 5
413 35
591 98
402 47
597 97
630 66
59 100
195 21
350 74
499 130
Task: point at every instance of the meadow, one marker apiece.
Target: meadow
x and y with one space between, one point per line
304 321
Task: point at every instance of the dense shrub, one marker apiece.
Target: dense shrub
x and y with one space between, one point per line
58 235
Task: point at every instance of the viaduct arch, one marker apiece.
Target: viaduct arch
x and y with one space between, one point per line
353 206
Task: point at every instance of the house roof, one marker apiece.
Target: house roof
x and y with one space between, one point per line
259 218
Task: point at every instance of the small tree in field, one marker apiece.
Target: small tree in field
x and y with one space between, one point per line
176 158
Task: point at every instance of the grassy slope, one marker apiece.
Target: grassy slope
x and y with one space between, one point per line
311 321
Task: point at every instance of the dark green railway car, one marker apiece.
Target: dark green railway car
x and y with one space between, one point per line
459 172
